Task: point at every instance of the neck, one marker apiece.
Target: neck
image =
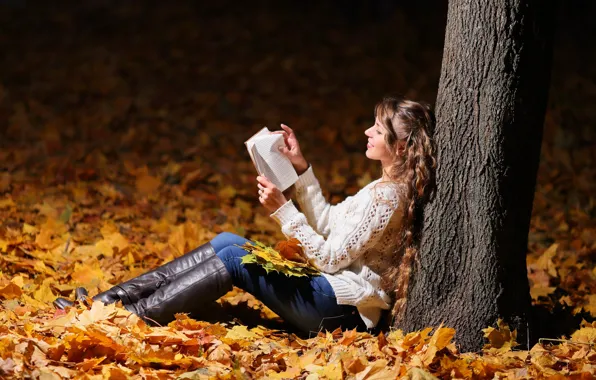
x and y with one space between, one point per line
386 166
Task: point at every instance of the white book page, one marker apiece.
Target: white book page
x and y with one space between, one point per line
260 164
280 169
263 148
251 142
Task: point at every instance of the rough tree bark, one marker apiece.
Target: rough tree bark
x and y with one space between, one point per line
490 112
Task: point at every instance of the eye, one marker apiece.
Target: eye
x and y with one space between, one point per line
379 132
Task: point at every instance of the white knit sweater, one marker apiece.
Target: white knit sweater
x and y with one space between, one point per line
349 242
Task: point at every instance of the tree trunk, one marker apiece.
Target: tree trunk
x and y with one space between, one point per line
490 112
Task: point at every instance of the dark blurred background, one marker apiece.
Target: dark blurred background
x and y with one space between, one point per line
143 76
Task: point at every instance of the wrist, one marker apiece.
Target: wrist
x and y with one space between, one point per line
301 168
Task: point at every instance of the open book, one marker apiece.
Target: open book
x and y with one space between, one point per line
263 148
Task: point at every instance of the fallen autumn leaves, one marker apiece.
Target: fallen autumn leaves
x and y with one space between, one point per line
59 246
113 166
110 342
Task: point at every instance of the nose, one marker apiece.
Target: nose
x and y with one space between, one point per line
367 132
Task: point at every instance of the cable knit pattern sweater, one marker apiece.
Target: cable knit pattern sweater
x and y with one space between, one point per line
350 242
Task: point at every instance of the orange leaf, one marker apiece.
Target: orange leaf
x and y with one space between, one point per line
10 291
349 337
291 250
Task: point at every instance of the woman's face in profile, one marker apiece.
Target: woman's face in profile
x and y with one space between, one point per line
376 147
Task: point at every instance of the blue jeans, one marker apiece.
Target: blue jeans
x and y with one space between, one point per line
308 303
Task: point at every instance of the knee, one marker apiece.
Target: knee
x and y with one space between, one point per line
231 252
231 257
228 236
226 239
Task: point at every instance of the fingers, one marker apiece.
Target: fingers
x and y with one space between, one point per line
286 136
269 195
263 193
266 188
284 150
287 129
264 181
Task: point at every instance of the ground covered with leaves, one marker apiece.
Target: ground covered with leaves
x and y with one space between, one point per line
121 148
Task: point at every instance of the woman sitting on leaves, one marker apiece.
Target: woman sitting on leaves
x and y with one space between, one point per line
363 246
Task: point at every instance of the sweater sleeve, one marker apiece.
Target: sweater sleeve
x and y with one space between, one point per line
313 203
360 229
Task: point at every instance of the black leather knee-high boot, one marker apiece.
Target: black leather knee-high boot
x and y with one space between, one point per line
146 284
188 293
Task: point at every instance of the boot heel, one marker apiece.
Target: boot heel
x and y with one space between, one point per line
81 293
62 303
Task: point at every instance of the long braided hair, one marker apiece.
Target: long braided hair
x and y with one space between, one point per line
410 126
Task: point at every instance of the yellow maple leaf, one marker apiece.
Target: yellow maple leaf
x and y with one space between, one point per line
585 335
44 292
395 336
29 229
222 354
89 364
185 237
377 370
242 333
590 304
88 275
541 291
41 267
98 312
411 339
355 364
33 302
331 371
442 337
18 280
348 337
112 243
166 337
545 261
500 338
50 234
417 374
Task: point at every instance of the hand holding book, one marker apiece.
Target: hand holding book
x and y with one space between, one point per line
269 195
292 149
276 155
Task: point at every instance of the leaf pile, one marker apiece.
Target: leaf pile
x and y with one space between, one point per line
110 342
562 238
273 261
